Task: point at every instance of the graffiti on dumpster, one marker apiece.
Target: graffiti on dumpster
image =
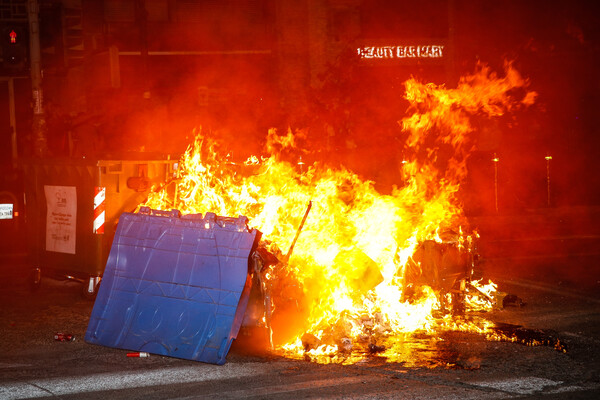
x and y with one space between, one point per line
61 218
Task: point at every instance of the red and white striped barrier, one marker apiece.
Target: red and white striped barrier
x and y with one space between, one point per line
99 209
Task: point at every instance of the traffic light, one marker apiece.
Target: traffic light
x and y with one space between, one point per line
15 48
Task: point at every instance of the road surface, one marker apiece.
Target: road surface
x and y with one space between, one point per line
460 366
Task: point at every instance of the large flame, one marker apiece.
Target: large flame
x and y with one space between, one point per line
345 289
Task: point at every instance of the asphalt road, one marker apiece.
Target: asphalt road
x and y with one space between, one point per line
459 366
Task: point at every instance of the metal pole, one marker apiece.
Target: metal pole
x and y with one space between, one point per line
142 21
289 253
548 158
13 120
38 126
495 160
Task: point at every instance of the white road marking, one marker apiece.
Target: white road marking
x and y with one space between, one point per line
525 385
129 380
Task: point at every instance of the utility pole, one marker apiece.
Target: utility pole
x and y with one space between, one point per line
141 16
38 126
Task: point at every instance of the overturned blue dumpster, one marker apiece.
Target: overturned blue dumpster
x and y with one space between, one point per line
174 285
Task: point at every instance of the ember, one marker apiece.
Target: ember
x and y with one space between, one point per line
369 271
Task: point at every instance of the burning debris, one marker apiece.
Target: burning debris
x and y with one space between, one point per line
528 337
370 270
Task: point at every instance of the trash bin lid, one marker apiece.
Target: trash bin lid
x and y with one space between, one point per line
174 286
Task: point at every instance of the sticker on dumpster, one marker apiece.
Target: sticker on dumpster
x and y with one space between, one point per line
61 218
6 211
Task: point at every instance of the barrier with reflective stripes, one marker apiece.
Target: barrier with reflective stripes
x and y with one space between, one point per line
99 209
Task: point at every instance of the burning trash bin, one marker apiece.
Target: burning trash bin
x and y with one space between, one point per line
175 285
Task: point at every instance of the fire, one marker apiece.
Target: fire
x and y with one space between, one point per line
366 274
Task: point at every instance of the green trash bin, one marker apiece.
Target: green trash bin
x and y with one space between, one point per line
72 207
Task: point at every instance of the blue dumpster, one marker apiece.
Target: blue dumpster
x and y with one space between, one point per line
174 285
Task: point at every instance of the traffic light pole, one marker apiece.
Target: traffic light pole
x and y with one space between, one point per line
13 120
38 126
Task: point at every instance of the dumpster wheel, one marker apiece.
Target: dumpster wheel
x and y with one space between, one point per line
90 288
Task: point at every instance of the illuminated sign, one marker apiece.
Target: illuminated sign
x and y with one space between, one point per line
401 52
6 211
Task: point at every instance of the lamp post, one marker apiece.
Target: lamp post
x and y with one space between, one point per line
495 160
548 158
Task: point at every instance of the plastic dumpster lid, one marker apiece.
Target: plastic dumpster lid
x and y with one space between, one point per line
175 286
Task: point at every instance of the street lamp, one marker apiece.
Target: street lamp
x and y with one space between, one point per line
548 158
495 160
